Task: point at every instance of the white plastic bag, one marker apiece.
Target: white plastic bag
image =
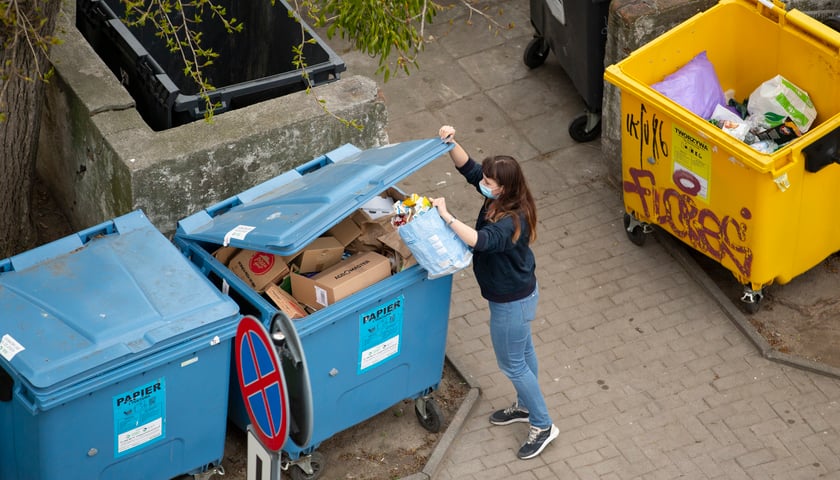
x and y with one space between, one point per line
434 245
778 98
730 122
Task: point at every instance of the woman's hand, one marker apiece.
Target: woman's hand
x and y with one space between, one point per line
458 154
440 204
464 232
447 133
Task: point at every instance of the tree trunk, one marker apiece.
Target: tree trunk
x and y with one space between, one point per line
21 99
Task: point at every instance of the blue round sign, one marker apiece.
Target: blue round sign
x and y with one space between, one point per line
261 383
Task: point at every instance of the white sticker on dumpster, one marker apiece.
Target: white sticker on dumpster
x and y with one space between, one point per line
380 332
238 233
692 164
139 417
9 347
321 296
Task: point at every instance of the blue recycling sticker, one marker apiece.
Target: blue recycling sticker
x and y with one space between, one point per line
380 333
139 417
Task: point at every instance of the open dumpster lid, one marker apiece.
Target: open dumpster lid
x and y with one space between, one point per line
101 299
286 213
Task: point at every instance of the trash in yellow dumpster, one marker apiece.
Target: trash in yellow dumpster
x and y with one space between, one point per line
778 98
695 86
766 217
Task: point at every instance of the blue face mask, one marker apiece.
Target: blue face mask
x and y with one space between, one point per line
486 191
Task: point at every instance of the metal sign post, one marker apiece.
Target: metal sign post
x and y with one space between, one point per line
263 464
263 389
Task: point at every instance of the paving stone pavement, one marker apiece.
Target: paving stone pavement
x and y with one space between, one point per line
644 374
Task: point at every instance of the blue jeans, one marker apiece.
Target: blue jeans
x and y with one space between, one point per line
510 331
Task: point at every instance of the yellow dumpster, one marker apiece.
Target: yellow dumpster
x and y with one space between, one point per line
765 217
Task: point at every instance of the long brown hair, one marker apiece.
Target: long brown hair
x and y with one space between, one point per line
515 197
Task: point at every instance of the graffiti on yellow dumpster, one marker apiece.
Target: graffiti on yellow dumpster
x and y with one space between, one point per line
647 129
681 206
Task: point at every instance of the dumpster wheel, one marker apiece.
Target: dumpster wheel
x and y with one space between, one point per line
585 128
751 299
315 461
536 52
428 414
636 231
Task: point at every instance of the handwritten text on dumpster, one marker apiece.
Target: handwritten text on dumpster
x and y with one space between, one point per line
647 129
675 208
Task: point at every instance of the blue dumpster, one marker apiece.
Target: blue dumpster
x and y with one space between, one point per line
114 358
403 318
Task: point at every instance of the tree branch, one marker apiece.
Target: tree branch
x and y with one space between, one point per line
472 10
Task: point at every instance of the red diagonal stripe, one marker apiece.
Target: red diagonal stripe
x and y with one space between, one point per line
260 384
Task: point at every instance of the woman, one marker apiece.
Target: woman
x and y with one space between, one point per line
504 269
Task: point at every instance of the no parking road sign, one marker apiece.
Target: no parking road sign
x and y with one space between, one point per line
262 383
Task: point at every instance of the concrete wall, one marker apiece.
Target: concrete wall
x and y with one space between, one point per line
101 160
633 23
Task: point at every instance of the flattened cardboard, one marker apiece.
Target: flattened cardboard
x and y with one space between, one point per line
224 254
258 269
372 230
394 241
285 302
321 254
343 279
345 232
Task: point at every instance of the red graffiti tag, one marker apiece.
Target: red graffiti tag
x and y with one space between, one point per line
720 238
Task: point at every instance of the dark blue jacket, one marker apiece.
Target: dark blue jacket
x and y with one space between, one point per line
504 270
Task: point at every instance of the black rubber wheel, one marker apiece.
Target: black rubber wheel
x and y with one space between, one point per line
434 416
637 235
577 130
752 308
833 22
535 53
317 461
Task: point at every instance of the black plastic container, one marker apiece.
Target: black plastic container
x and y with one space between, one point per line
576 31
253 65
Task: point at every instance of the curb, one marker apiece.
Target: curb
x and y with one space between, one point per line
676 250
454 428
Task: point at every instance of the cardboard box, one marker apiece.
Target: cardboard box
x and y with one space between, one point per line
345 232
225 254
394 241
371 232
321 254
258 269
397 251
285 302
345 278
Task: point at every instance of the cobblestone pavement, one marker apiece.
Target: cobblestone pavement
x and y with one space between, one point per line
645 374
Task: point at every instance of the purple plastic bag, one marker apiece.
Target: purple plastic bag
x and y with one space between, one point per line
695 86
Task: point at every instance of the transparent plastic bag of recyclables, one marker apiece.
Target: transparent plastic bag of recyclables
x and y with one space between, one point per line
434 245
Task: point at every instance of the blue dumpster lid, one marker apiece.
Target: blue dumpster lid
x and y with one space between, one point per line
102 298
286 213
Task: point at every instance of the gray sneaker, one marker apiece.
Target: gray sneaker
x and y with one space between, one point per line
509 415
537 441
